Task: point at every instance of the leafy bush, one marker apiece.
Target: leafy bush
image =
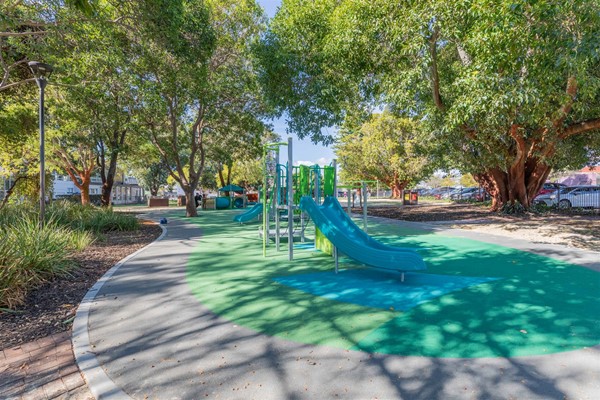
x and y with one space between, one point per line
30 255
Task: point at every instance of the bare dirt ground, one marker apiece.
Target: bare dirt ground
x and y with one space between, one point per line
571 230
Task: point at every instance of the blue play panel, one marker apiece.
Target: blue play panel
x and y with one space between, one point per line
372 288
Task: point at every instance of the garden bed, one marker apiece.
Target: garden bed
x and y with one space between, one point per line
50 308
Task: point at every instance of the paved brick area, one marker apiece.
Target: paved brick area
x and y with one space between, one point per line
43 369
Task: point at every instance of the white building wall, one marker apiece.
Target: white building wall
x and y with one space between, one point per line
63 186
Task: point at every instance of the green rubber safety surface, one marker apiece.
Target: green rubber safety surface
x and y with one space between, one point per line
529 305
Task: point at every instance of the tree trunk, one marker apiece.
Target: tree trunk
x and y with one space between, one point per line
10 190
221 177
108 177
229 168
190 202
85 193
514 186
397 187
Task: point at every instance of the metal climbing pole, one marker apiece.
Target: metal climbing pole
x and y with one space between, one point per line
290 200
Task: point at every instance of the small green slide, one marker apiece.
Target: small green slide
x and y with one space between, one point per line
355 243
252 213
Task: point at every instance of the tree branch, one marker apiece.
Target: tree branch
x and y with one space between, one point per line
581 127
566 108
435 78
16 83
21 34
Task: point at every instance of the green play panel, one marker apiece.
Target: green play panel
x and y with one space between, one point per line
496 302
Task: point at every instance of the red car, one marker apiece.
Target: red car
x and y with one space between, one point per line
550 188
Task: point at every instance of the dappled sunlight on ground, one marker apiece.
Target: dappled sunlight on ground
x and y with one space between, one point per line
533 305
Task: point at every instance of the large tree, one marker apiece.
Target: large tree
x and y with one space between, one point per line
90 54
384 148
205 92
509 90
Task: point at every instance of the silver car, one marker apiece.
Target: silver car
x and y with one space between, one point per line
573 196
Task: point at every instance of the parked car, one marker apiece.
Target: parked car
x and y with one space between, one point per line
550 187
550 198
439 192
572 196
464 194
580 197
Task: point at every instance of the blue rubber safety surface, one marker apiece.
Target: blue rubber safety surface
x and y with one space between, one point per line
375 289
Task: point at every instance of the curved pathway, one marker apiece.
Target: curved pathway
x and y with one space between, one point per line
149 337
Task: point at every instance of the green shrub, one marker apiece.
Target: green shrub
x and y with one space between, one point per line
107 220
30 255
91 218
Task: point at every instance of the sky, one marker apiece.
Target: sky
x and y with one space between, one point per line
304 151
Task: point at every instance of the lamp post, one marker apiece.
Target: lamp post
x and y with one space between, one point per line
41 72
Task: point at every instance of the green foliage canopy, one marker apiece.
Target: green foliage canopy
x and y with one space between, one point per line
385 148
508 90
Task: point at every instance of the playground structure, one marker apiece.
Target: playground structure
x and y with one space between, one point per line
290 191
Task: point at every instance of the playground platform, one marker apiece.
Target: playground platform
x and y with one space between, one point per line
200 314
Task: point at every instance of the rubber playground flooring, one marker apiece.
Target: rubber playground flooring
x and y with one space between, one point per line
474 300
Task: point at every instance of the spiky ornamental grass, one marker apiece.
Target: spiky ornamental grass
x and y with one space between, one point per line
30 255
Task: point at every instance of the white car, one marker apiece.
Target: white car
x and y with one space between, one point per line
574 196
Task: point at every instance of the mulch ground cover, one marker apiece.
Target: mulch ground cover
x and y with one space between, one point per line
50 308
432 212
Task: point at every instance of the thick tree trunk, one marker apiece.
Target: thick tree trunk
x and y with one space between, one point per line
190 202
513 186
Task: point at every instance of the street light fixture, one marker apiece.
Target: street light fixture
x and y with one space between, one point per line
41 72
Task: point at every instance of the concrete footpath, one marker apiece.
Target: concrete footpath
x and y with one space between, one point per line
140 333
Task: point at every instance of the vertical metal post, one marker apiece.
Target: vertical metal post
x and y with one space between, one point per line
302 223
364 193
335 194
41 82
377 195
264 200
349 195
337 261
317 170
290 201
276 199
335 252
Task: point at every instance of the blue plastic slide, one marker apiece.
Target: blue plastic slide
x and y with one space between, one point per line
354 242
254 212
